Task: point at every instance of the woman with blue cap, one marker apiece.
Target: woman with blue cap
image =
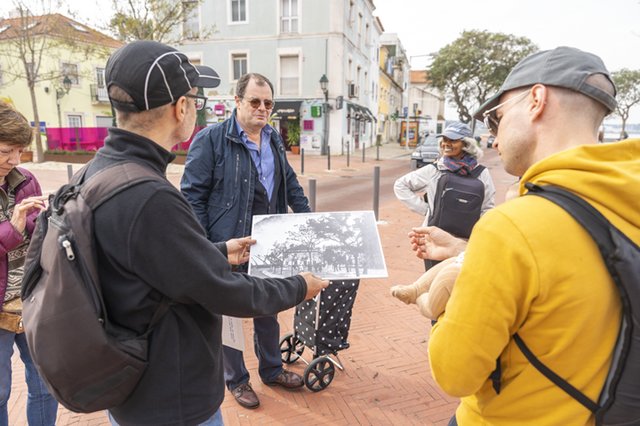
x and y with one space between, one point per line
454 191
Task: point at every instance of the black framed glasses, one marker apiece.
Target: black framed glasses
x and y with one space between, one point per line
255 103
201 101
490 116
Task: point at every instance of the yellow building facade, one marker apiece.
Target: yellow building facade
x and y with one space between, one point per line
66 69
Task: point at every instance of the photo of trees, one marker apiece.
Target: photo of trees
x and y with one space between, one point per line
331 245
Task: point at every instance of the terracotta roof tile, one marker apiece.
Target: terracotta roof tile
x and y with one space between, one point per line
55 25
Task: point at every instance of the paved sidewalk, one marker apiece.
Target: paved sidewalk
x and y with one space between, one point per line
386 380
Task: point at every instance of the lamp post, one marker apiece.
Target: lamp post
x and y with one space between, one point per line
324 83
60 92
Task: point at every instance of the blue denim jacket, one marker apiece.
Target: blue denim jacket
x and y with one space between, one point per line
219 181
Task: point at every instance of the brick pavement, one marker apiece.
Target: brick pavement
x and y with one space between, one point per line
386 379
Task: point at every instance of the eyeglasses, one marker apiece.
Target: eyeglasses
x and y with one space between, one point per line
201 101
255 103
491 120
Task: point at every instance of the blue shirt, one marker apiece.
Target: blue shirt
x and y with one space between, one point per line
262 156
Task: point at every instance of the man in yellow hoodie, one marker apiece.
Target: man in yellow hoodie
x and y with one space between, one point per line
552 287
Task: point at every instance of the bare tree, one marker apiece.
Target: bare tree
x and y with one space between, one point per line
159 20
29 39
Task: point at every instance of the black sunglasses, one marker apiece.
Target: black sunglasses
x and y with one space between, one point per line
255 103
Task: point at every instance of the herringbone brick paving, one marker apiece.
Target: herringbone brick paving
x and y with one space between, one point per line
386 380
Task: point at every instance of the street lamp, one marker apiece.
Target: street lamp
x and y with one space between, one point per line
60 92
324 83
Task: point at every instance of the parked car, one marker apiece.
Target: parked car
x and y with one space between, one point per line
426 152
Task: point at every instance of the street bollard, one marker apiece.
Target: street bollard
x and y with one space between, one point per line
363 151
312 194
376 190
348 152
302 161
328 158
69 171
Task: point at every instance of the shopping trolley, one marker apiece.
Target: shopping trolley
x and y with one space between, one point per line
322 325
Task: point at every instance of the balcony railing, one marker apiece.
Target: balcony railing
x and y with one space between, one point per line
99 94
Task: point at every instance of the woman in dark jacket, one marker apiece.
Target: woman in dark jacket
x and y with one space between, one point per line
20 202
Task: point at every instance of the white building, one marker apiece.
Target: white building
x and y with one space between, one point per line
295 43
427 103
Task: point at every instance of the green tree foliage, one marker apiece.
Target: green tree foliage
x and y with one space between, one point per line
628 86
159 20
472 68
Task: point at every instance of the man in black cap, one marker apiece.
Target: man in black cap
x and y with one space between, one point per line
529 267
152 248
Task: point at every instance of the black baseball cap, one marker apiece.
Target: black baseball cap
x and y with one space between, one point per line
563 66
154 74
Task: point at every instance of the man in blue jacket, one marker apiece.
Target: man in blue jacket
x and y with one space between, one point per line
235 170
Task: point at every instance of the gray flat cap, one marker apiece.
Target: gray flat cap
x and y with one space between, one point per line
563 66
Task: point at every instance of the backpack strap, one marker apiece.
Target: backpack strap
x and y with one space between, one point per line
110 181
599 229
557 380
107 183
477 171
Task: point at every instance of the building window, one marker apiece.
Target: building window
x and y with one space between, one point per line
74 120
366 35
239 61
289 77
71 71
238 10
191 22
289 20
100 80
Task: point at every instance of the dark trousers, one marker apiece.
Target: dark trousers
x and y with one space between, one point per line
266 344
453 421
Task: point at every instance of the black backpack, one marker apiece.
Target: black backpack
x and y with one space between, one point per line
87 362
619 402
457 202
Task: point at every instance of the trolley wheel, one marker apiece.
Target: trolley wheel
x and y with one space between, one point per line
319 374
290 348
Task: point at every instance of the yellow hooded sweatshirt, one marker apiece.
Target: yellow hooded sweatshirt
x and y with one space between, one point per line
531 268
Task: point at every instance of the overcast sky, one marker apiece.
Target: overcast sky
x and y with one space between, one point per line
610 29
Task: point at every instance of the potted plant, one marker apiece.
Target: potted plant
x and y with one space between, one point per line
26 156
293 136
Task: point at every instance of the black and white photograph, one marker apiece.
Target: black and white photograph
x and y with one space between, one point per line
331 245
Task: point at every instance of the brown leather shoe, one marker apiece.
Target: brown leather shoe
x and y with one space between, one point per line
245 396
288 380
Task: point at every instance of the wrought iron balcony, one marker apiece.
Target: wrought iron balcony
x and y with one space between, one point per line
99 94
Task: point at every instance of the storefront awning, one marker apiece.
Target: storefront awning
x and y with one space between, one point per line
360 112
369 114
287 110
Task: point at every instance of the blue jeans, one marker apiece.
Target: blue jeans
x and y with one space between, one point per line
453 421
42 408
215 420
266 344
